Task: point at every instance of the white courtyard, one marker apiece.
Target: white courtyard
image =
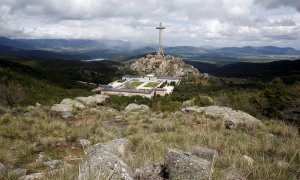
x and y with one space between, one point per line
146 86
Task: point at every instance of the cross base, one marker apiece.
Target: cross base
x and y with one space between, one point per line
160 53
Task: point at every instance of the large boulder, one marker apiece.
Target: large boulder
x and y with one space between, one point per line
119 147
76 104
88 101
95 100
203 152
65 110
180 165
104 165
232 118
2 171
133 107
103 161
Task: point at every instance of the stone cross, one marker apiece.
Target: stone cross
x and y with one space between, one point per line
160 50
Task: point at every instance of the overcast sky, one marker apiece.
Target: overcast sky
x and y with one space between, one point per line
188 22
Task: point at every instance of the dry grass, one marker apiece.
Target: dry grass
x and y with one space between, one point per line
25 135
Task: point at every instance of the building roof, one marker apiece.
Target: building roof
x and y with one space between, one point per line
141 91
146 91
159 89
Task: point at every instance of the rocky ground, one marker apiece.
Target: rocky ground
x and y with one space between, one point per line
163 66
82 138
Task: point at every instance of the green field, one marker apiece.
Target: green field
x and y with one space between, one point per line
136 83
152 84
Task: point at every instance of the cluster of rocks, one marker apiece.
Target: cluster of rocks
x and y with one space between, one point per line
232 118
105 161
163 66
67 106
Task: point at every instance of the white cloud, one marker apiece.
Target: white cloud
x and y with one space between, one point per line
197 22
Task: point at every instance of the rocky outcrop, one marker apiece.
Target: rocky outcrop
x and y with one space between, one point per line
73 103
133 107
64 110
67 106
103 161
2 171
232 118
95 100
180 165
167 66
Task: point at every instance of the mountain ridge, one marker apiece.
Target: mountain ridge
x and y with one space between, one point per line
120 50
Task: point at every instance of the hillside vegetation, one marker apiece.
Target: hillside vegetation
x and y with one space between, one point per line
31 137
50 81
34 87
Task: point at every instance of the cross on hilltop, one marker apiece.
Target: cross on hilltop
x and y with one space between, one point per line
160 51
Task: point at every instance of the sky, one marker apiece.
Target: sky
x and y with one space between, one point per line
188 22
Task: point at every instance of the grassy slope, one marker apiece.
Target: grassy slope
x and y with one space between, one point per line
25 135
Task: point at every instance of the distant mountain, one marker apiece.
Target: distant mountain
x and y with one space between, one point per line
244 69
120 50
14 43
82 44
265 50
38 54
287 69
183 49
56 43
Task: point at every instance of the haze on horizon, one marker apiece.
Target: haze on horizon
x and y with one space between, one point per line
188 22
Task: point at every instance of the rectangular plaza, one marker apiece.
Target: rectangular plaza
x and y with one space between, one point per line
146 86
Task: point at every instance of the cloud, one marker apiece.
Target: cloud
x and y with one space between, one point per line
272 4
188 22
